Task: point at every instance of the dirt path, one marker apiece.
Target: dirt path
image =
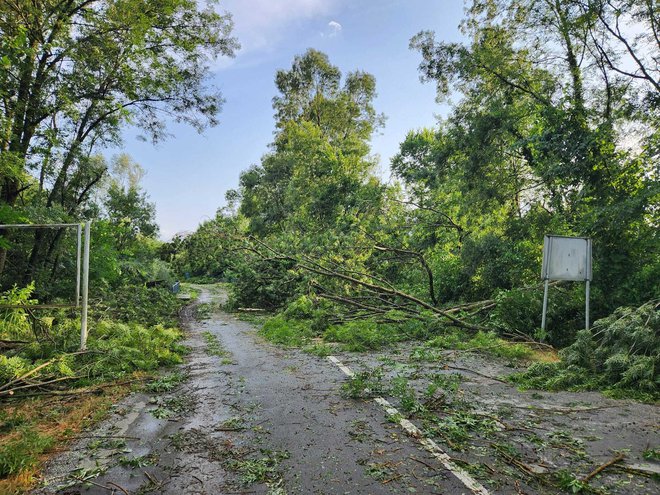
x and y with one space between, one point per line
249 417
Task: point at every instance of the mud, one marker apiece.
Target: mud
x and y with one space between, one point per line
256 418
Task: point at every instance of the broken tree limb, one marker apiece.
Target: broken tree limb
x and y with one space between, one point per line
422 261
378 286
604 466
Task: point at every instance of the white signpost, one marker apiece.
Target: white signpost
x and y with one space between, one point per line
566 258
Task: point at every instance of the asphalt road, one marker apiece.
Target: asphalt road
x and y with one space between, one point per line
251 417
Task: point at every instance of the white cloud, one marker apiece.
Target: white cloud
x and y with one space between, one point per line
261 24
335 28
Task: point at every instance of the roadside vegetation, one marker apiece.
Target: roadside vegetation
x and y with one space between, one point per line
72 75
448 252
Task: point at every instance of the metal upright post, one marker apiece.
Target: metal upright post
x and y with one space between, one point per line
545 302
78 249
586 304
85 289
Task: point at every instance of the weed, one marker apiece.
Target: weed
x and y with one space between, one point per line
484 342
235 423
177 440
171 406
22 451
287 332
320 350
364 385
380 471
362 335
406 394
166 383
9 422
213 346
261 470
137 462
569 482
652 454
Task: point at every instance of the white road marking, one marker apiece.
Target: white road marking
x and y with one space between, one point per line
473 485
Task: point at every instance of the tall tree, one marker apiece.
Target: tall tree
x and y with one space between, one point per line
319 157
73 72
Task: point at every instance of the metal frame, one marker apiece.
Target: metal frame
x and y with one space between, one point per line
85 272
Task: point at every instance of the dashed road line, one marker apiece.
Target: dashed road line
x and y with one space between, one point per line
473 485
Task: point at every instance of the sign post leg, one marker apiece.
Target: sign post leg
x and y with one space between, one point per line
85 289
586 304
78 248
545 303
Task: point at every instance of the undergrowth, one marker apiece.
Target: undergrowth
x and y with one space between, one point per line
134 336
620 354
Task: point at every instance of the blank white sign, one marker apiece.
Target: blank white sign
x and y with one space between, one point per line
566 258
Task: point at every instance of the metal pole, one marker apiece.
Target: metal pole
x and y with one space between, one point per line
78 265
85 289
586 304
545 303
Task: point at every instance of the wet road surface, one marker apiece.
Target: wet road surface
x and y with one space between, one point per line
251 417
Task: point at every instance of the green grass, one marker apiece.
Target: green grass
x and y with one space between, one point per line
364 384
166 383
287 332
23 451
214 347
320 350
482 342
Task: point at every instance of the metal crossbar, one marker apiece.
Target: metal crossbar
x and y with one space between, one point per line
38 225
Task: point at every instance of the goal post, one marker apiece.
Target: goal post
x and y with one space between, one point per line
82 269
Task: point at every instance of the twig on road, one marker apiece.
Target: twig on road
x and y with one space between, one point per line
424 463
124 491
602 467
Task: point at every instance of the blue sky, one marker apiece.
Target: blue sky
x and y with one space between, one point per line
188 174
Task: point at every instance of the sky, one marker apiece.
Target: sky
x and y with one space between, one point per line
188 174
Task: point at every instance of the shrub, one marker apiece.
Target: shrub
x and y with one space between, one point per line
621 351
518 311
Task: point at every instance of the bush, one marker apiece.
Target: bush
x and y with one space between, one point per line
145 305
621 352
14 323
